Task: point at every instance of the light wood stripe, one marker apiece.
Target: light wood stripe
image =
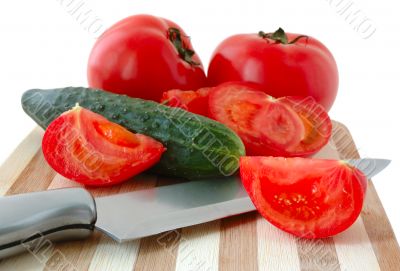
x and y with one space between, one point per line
26 262
199 247
277 250
238 244
318 254
37 176
19 159
354 249
62 182
112 256
376 223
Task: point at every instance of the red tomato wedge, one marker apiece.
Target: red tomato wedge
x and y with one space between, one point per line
266 126
318 125
192 101
85 147
310 198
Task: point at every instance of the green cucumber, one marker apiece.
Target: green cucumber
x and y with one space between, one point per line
197 147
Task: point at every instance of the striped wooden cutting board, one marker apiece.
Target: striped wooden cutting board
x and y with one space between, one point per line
244 242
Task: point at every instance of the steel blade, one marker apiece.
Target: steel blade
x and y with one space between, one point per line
370 167
142 213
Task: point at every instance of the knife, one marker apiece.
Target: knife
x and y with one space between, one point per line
72 213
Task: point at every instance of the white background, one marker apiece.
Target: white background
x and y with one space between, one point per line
43 45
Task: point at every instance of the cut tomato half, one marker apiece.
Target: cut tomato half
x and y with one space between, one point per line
266 126
85 147
310 198
192 101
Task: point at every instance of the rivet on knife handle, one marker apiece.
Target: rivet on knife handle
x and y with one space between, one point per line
27 220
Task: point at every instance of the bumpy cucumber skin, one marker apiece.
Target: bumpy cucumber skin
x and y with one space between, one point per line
197 147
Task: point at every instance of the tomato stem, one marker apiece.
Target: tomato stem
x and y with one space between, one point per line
174 35
279 36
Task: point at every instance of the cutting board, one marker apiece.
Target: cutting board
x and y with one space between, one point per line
244 242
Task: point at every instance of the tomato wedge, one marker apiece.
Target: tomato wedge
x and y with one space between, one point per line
310 198
266 126
87 148
192 101
318 125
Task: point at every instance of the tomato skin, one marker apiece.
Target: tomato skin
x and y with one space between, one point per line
305 68
192 101
135 57
310 198
87 148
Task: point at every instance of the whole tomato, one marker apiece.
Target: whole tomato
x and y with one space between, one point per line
283 64
142 56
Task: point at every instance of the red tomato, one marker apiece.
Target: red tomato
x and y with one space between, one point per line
143 56
309 198
268 126
192 101
87 148
282 64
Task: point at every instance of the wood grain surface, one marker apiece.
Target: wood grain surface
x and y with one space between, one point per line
246 242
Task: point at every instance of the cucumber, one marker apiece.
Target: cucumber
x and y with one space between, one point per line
197 147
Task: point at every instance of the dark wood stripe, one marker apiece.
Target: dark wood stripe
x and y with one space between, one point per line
158 252
319 254
36 176
380 232
377 225
238 243
73 255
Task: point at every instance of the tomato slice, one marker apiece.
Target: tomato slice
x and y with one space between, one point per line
192 101
87 148
310 198
318 125
266 126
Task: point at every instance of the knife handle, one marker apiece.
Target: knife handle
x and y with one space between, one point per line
28 222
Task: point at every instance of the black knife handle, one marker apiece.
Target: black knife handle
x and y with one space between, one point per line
27 221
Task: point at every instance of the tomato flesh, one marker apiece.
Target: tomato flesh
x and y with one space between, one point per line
192 101
87 148
310 198
266 126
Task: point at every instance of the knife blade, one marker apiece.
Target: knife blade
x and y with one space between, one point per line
164 208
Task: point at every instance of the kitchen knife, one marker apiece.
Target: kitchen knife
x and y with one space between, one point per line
72 213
